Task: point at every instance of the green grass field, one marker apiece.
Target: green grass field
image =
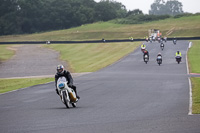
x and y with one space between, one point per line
14 84
92 57
183 27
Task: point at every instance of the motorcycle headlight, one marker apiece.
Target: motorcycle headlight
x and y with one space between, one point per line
61 85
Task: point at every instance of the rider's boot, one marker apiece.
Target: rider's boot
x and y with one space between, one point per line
74 87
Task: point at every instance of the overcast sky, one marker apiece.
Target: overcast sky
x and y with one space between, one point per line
192 6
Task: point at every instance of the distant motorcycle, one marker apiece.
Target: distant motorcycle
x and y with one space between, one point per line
146 58
67 94
174 41
178 59
161 40
158 39
165 39
162 46
159 60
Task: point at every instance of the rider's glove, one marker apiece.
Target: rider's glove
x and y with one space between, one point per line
70 85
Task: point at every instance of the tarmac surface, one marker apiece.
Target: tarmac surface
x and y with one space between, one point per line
126 97
30 60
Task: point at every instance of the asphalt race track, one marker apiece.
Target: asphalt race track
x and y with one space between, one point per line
126 97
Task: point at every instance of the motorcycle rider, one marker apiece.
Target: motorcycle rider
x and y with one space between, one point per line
147 39
150 39
162 45
61 72
161 40
178 55
158 39
165 38
159 56
143 47
174 41
146 53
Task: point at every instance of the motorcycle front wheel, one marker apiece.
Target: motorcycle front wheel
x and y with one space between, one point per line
65 99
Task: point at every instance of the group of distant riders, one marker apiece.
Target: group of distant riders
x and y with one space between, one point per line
145 52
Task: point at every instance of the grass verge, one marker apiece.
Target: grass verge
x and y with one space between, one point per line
92 57
194 57
14 84
195 95
194 63
5 52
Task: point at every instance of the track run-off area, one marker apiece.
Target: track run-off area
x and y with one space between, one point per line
128 96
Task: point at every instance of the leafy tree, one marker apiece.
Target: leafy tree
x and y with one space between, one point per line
174 7
8 16
156 7
107 10
134 12
160 7
8 6
30 13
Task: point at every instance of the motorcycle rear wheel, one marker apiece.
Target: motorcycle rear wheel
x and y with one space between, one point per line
74 105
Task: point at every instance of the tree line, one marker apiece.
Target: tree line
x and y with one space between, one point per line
30 16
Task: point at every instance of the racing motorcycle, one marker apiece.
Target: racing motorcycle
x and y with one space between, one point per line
67 94
159 60
162 46
146 58
178 59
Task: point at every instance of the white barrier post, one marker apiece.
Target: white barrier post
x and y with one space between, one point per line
190 44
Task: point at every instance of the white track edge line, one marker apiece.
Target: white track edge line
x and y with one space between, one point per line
190 85
190 95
